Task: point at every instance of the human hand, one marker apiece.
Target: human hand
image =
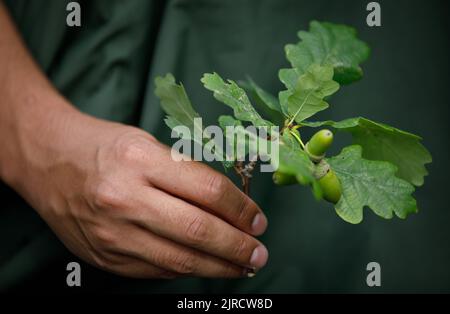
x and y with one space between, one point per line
115 197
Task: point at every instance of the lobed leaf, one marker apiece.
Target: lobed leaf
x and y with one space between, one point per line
265 101
329 44
179 110
307 97
235 97
175 102
370 183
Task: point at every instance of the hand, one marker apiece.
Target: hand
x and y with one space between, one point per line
115 197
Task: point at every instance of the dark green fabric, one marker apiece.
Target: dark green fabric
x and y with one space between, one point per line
107 66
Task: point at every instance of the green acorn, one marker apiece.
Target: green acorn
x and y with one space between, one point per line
328 181
331 187
318 144
280 178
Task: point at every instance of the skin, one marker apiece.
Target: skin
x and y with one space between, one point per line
111 192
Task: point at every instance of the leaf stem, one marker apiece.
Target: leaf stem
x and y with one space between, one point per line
299 109
297 137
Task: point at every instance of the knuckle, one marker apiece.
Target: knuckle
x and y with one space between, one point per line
244 211
231 271
197 230
184 263
215 187
131 149
239 251
107 196
105 238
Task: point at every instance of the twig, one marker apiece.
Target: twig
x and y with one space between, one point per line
245 172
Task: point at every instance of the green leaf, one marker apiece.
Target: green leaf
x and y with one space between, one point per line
289 77
172 123
370 183
265 97
235 97
294 161
178 107
175 102
329 44
226 120
307 97
252 143
383 142
265 102
283 98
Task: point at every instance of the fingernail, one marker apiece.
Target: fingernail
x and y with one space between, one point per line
259 257
259 224
249 272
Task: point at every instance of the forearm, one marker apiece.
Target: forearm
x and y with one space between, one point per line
29 105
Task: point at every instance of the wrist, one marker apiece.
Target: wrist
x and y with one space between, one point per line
32 132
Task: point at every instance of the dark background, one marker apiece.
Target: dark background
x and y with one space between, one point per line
406 84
